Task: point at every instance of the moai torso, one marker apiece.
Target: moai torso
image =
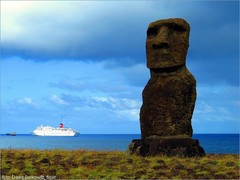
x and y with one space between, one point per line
170 94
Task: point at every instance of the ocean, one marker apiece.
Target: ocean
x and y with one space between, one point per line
212 143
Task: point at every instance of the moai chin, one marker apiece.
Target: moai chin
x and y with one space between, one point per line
170 94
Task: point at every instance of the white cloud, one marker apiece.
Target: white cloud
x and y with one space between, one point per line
123 108
101 99
78 109
128 114
27 101
113 108
118 103
212 111
204 108
58 100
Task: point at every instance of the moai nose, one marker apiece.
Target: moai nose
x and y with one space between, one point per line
162 40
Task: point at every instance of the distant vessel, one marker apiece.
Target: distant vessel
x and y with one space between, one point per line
11 134
51 131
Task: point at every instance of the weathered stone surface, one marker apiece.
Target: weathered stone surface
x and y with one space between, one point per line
167 43
182 147
170 94
168 103
137 147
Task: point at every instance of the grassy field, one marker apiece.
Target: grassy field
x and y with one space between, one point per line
63 164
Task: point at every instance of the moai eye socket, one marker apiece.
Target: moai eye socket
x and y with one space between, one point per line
177 28
152 32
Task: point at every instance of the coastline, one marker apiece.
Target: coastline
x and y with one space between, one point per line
212 144
88 164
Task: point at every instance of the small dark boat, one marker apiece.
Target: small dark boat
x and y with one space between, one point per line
11 134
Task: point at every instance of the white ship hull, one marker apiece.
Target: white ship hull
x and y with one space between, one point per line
51 131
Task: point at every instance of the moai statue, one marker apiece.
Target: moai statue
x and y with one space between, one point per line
170 94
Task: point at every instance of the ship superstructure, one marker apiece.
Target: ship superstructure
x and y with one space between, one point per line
52 131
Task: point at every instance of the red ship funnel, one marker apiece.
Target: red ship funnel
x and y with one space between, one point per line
61 125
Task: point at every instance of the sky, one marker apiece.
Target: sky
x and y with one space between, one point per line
83 63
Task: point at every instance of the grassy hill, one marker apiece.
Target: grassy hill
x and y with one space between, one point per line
84 164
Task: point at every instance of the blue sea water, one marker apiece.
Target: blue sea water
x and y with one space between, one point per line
212 143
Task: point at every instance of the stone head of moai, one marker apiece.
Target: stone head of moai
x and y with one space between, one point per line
167 43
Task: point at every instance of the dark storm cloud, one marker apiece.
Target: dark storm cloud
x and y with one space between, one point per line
209 72
94 30
115 32
118 29
215 33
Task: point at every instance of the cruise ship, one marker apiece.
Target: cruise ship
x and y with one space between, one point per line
51 131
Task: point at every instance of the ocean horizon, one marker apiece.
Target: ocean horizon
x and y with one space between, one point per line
212 143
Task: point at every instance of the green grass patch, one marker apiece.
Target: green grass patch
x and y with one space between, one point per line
82 164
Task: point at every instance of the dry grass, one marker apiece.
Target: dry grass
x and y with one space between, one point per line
81 164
